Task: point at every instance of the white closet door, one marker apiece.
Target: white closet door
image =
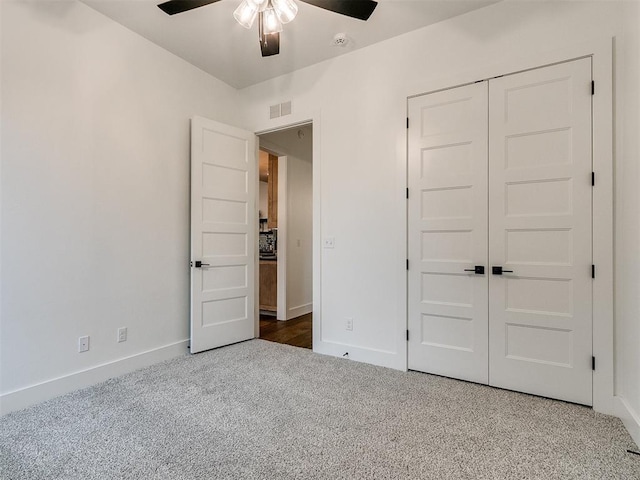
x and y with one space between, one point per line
540 230
447 233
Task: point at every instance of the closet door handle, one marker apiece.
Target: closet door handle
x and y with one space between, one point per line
478 270
499 270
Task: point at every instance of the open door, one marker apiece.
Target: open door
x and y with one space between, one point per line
224 229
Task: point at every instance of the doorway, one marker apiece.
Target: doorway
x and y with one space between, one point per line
286 236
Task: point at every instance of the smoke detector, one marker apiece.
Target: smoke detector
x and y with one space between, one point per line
340 40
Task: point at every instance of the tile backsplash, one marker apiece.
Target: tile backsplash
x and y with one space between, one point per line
268 242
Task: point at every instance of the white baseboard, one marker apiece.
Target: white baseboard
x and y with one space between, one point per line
629 417
33 394
381 358
298 311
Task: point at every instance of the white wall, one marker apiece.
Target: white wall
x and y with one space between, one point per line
295 220
299 237
361 101
1 182
95 182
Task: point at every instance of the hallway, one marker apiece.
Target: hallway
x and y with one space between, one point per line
296 332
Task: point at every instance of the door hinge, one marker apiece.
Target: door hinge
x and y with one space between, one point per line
593 87
407 264
593 178
407 335
407 122
407 192
593 363
593 271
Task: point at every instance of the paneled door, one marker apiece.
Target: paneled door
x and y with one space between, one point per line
523 323
224 229
540 232
447 240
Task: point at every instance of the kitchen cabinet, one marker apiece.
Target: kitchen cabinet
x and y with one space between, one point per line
268 285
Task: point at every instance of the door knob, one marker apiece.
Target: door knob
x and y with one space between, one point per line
499 270
478 270
199 264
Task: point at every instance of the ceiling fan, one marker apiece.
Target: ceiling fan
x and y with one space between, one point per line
272 14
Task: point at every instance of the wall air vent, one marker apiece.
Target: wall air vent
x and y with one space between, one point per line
274 111
280 110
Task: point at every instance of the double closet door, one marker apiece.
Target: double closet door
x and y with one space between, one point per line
500 232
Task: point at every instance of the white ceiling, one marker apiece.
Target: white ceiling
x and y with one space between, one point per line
209 37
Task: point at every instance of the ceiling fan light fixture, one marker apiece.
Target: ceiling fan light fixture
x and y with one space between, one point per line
262 4
273 13
286 10
246 13
270 21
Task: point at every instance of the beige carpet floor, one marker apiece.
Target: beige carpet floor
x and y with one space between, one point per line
261 410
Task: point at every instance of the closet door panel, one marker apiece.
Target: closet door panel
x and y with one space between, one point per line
447 233
540 313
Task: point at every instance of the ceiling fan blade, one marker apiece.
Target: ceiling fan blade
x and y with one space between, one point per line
178 6
360 9
270 44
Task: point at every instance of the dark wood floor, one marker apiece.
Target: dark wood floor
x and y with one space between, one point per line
296 332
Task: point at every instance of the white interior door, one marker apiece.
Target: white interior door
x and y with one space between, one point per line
540 232
224 229
447 233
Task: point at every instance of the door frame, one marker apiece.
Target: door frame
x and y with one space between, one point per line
314 121
601 52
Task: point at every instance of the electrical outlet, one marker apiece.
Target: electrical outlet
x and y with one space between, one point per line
122 334
329 242
348 324
83 344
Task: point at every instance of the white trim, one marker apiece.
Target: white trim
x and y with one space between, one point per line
601 51
382 358
283 235
629 417
40 392
603 319
295 312
317 235
256 254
